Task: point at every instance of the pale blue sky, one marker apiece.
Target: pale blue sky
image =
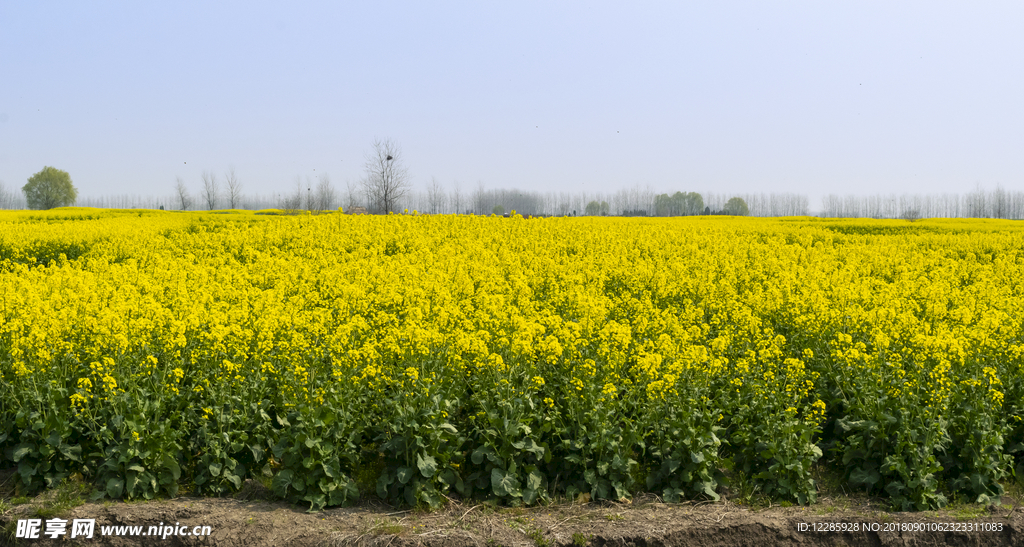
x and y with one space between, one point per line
808 97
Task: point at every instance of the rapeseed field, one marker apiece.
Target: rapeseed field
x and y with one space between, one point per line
416 357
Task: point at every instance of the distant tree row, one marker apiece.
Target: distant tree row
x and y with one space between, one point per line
630 202
386 183
385 188
998 203
306 195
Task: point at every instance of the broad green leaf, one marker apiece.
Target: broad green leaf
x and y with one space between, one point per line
427 465
449 428
171 464
71 452
115 487
22 450
404 474
235 480
504 484
534 480
54 438
282 481
131 480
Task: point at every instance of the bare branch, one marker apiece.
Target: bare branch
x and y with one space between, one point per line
210 190
387 180
325 195
184 199
234 189
436 197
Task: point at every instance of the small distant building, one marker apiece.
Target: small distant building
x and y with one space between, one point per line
357 211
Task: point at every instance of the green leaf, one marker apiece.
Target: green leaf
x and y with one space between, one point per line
22 450
282 481
383 481
171 464
235 480
71 452
447 477
115 487
432 498
977 482
529 445
404 474
132 479
534 480
427 465
449 428
53 439
215 469
504 484
332 469
894 488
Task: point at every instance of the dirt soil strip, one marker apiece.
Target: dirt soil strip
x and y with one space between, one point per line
257 523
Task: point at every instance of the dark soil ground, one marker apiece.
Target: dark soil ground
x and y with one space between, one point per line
252 520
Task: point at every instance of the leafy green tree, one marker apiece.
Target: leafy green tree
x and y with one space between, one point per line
736 207
49 188
664 206
692 203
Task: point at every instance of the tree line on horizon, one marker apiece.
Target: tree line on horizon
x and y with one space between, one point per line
386 188
979 203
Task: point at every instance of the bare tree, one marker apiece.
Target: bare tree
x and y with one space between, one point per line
234 188
293 203
210 189
387 180
6 198
435 196
325 195
351 195
305 198
457 198
184 199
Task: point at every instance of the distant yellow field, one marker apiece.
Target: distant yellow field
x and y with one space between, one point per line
412 356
